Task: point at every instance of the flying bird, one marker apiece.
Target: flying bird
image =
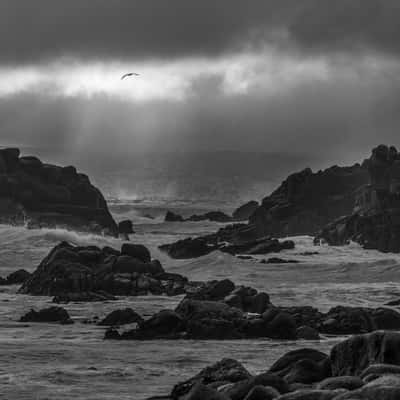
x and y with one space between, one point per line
129 74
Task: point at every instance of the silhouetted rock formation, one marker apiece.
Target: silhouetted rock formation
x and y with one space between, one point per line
16 278
224 240
172 217
72 272
244 212
375 222
307 201
45 195
215 216
361 367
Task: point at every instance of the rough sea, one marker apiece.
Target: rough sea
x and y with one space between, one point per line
64 362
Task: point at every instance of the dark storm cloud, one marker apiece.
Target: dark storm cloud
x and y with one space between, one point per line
336 121
42 29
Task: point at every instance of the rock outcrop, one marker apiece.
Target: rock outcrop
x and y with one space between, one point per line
70 272
225 241
45 195
215 216
16 278
244 212
216 311
375 220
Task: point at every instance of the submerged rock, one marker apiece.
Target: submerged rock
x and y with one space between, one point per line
51 314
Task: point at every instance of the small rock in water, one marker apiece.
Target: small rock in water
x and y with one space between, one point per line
121 317
51 314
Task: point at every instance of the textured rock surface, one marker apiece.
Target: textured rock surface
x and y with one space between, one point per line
70 272
45 195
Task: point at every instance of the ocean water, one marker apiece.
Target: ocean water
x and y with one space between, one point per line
44 361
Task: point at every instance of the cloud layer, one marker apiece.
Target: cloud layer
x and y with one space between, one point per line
308 76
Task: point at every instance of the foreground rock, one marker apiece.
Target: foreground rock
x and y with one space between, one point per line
46 195
51 314
89 273
352 371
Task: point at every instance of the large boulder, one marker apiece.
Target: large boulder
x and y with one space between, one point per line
73 273
354 355
46 195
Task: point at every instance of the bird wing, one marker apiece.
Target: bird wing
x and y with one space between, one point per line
129 74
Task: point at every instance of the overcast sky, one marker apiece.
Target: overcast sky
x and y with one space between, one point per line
294 76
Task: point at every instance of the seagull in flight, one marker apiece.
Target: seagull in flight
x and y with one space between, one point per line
129 74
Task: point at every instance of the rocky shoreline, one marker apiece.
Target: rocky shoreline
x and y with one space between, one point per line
364 367
214 310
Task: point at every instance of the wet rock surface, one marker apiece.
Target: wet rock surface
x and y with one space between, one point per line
51 314
350 371
75 273
45 195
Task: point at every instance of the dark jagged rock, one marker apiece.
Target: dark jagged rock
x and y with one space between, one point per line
222 241
172 217
375 221
244 212
74 273
125 227
226 371
307 201
136 251
51 314
121 317
355 354
215 216
46 195
16 278
188 248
